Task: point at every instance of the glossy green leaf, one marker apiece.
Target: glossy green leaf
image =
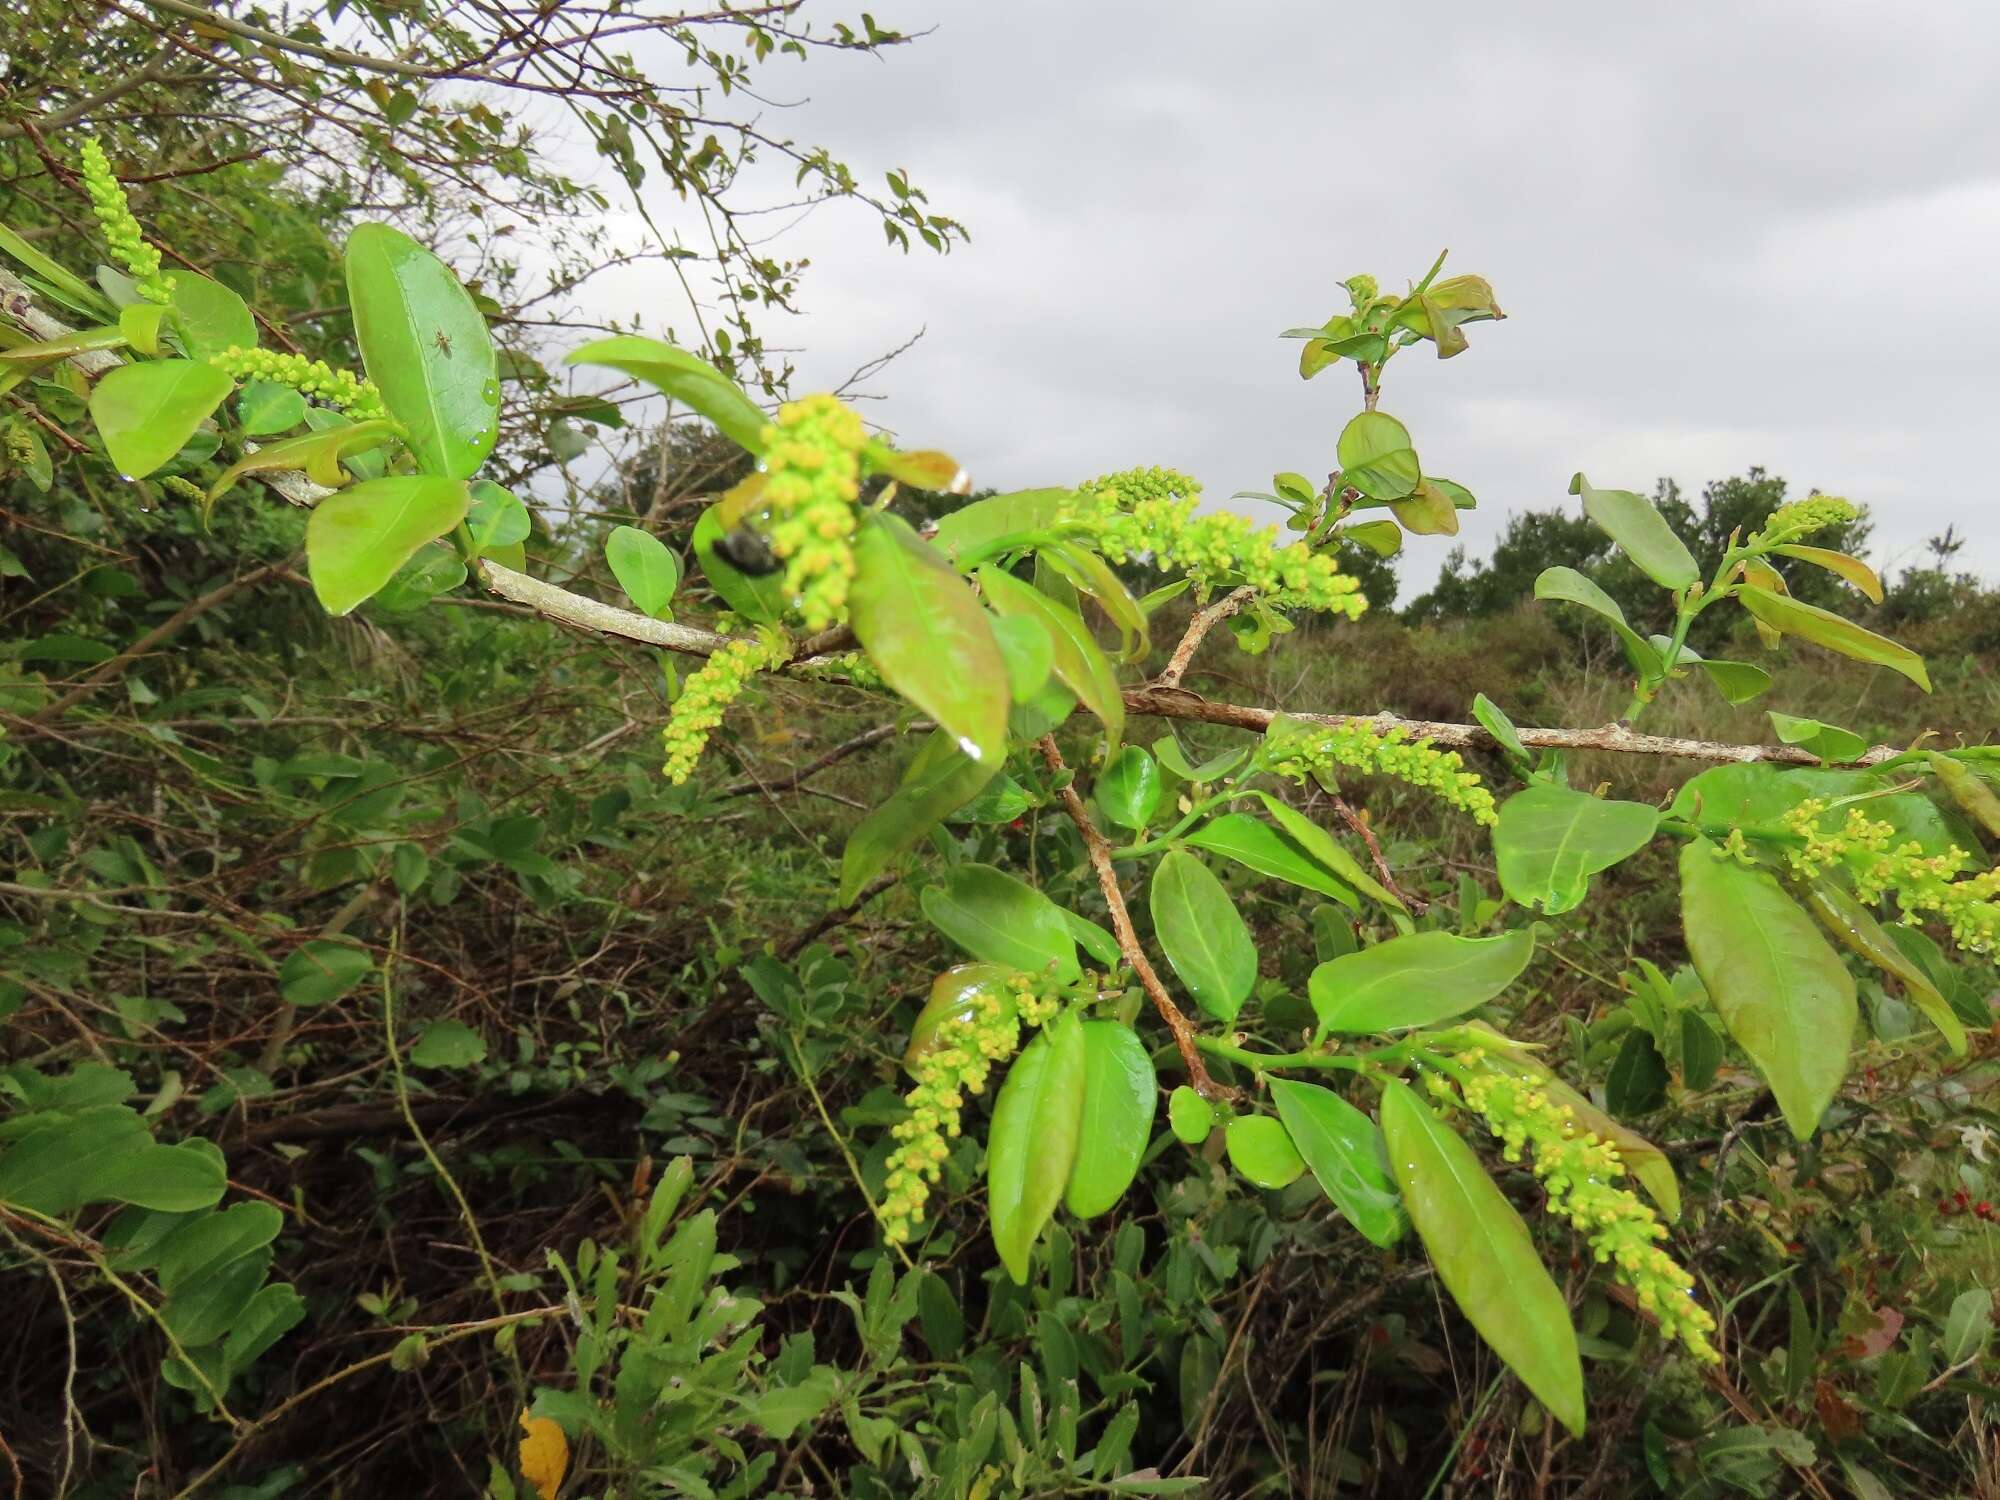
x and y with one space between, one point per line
358 538
77 341
81 294
1646 1162
1493 719
928 636
1327 850
1783 613
140 322
1383 538
1093 939
1191 1116
683 377
1256 845
1828 741
321 971
940 780
958 994
1092 575
205 1310
147 412
1262 1151
1376 457
1078 662
1571 587
1032 1145
1551 839
1778 985
318 453
1345 1151
757 597
644 568
498 518
1416 980
51 1170
1641 532
426 348
1701 1050
1637 1082
1202 935
993 916
1855 927
1029 651
1120 1097
1978 800
1000 523
205 1243
208 317
1130 789
1167 751
264 406
1483 1253
1429 511
1852 569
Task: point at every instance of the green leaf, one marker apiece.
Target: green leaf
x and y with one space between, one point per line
68 283
1641 532
941 779
1483 1254
1191 1116
1551 839
1093 939
1345 1151
1120 1096
1968 1327
1637 1083
1167 751
1202 935
432 571
1032 1144
1973 796
759 598
1092 575
357 539
780 1411
1571 587
426 348
318 453
168 1179
1642 1158
498 519
1376 458
1432 510
993 916
1256 845
1701 1050
206 1310
1130 790
1260 1149
209 317
1854 926
147 412
140 322
1778 985
1323 847
1029 651
925 632
78 341
51 1169
1828 741
1493 719
263 406
1852 569
204 1244
644 568
683 377
1383 538
1000 524
1785 614
1416 980
1078 662
448 1044
321 971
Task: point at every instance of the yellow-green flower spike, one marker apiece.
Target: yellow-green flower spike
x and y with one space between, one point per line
121 230
1801 518
1580 1173
1924 885
1300 750
812 464
310 377
708 692
1153 511
983 1028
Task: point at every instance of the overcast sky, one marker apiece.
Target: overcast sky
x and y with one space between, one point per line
1725 235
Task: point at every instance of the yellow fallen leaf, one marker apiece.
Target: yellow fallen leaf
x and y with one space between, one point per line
544 1455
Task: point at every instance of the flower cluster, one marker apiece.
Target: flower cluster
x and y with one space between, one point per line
1801 518
311 377
973 1021
1923 885
1153 512
812 464
708 692
1298 750
1580 1173
121 230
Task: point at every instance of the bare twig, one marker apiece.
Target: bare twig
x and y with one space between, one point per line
1204 620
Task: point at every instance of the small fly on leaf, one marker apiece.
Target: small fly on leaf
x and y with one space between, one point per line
444 343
